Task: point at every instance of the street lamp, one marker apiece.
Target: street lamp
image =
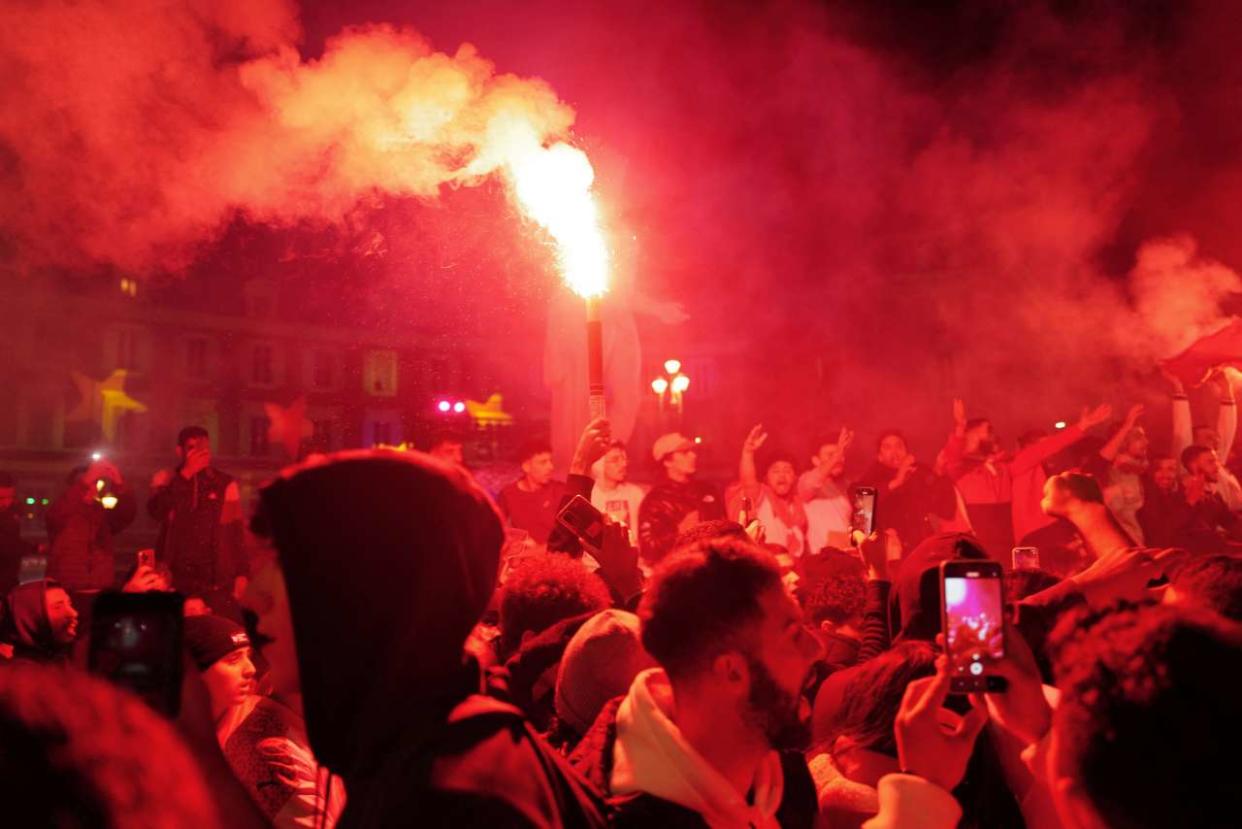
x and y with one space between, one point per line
672 383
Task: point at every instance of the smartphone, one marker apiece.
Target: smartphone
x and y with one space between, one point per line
31 568
136 643
146 558
1026 558
584 521
973 600
862 501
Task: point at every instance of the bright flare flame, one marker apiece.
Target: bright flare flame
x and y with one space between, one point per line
553 185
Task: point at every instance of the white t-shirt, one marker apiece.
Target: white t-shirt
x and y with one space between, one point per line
777 531
620 504
828 523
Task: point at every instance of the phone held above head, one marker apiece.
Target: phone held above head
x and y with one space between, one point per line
972 595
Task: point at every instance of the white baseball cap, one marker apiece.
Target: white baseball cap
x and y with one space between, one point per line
670 443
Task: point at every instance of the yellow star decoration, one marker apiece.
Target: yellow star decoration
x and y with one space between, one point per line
288 426
491 413
104 400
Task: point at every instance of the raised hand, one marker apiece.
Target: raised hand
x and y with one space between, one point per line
844 439
927 747
959 412
1120 574
755 440
1022 709
592 445
196 460
1094 417
1132 416
1174 381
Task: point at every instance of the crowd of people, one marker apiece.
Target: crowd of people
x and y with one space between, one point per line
382 642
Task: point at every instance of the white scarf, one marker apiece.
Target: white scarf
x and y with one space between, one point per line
652 756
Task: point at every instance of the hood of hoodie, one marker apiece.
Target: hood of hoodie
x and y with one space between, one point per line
389 559
25 623
916 586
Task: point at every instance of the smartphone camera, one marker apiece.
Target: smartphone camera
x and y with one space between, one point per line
973 600
582 519
136 644
862 503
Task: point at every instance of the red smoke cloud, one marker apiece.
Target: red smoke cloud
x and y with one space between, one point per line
817 190
136 130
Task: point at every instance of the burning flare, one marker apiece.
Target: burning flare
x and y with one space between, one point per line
553 187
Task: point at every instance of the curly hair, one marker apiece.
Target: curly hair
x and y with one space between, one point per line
836 599
74 751
708 530
1213 581
1149 721
701 601
542 592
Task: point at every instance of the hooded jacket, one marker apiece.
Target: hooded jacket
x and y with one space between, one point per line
82 532
390 559
666 506
26 626
679 777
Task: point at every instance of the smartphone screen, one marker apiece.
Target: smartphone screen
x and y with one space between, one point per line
1026 558
974 622
863 503
136 643
584 521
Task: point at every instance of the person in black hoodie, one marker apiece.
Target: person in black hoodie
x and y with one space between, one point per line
39 621
389 560
910 497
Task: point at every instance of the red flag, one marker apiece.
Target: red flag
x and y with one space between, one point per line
1206 354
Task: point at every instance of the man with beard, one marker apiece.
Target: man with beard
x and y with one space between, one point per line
1218 438
713 736
773 501
910 497
1164 510
1119 467
39 621
1002 491
1210 525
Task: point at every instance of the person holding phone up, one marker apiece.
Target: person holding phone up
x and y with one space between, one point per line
83 523
200 540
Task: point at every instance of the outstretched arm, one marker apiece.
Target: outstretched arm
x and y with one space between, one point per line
1041 450
1227 419
1182 434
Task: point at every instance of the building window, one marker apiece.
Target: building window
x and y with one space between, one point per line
196 358
259 445
323 370
261 365
380 375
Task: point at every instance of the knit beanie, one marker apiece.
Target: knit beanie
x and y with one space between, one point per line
600 663
211 638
